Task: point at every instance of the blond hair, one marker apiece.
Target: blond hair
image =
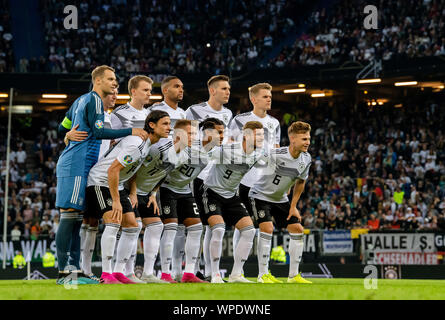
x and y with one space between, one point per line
253 90
182 123
299 127
133 83
99 72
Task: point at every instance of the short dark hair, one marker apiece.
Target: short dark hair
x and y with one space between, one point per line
154 117
166 80
210 123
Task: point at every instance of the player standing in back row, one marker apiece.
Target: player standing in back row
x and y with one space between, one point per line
260 96
133 115
219 94
173 91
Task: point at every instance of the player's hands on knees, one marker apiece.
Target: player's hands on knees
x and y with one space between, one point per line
116 215
295 213
74 135
152 200
140 133
133 200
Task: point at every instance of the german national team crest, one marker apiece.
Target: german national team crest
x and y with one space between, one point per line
225 119
166 210
99 124
128 159
110 202
261 213
301 166
269 126
212 207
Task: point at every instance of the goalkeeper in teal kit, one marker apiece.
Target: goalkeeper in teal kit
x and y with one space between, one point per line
74 164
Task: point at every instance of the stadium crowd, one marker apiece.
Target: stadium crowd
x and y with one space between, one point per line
164 36
381 169
6 51
336 35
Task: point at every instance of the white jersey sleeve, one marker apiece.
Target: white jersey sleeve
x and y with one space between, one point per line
116 123
129 152
154 167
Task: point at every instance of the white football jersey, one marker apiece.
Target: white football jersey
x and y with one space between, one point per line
231 164
105 143
179 179
202 111
129 151
161 159
273 187
175 114
272 135
127 116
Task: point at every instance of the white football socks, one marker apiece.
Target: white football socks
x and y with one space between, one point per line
107 244
129 266
87 253
295 252
242 250
125 247
192 246
166 247
215 247
264 246
178 250
152 239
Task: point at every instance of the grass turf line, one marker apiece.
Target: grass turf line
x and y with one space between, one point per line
321 289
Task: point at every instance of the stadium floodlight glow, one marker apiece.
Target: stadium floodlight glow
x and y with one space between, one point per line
362 81
294 90
301 85
318 95
54 96
123 96
406 83
156 97
4 95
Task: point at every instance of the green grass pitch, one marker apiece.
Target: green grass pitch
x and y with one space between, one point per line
321 289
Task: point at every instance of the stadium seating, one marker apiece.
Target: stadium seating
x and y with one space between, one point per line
337 35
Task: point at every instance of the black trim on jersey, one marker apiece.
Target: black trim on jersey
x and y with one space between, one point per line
141 146
165 147
239 124
245 114
111 149
122 107
196 116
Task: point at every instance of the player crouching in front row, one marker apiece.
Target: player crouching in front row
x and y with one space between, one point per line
268 199
107 198
222 204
